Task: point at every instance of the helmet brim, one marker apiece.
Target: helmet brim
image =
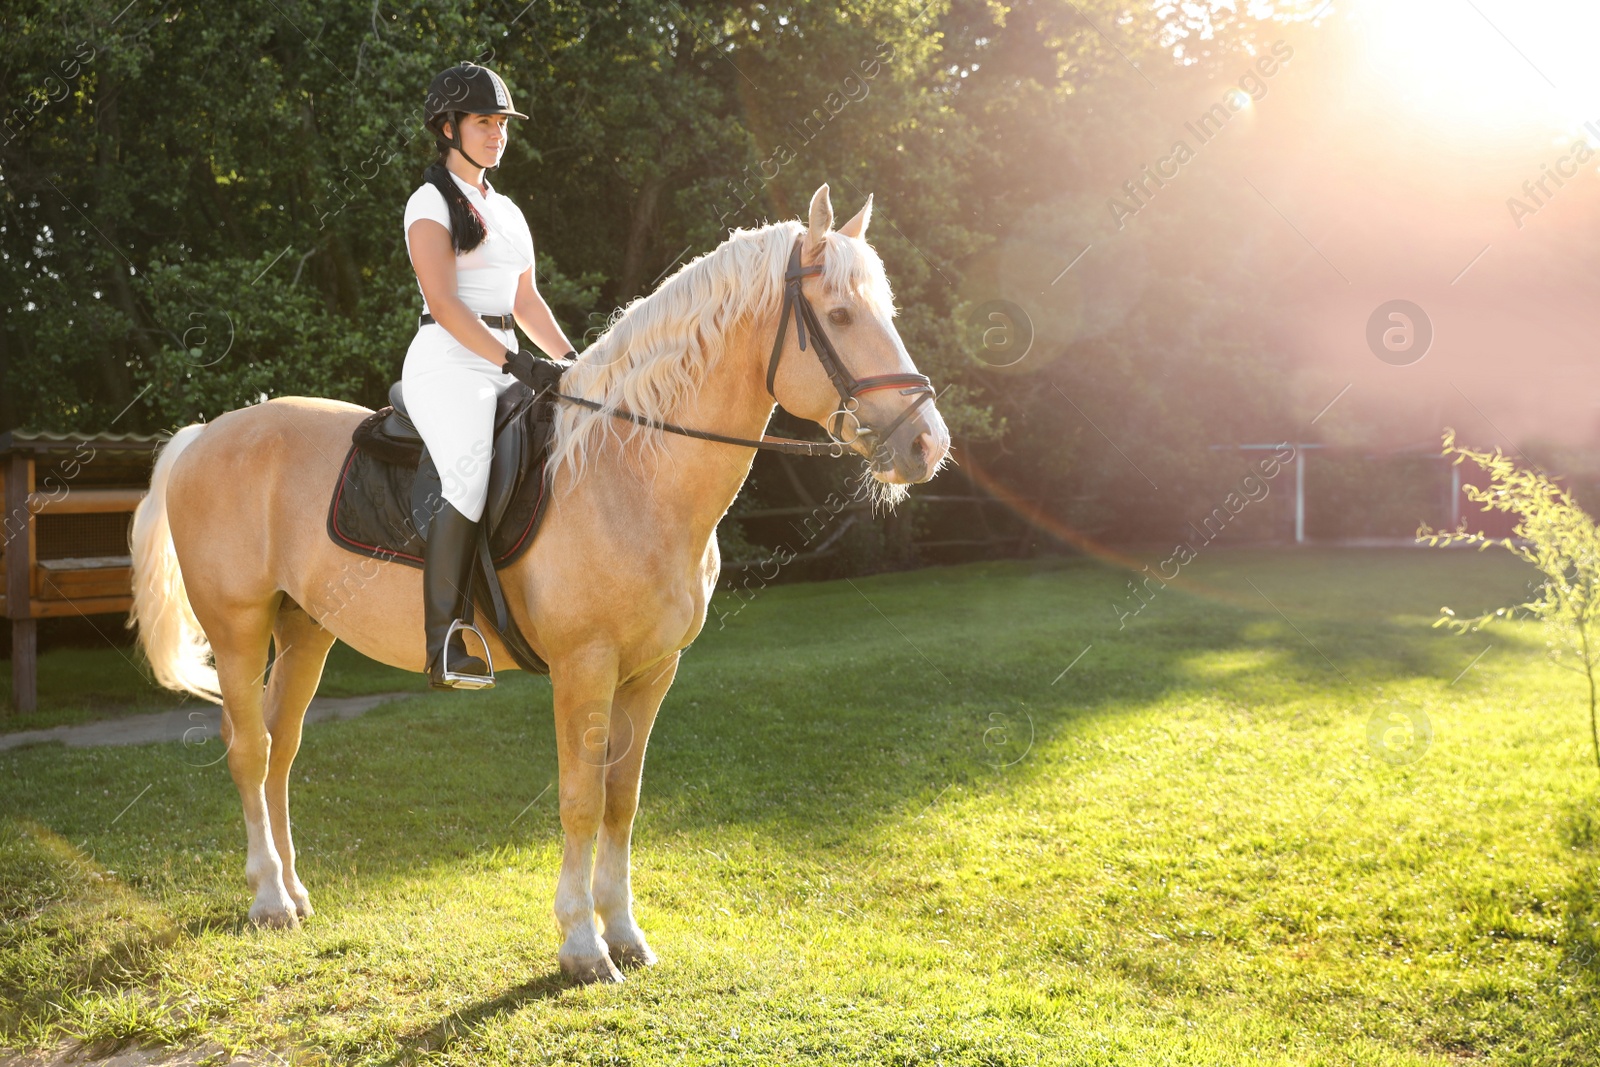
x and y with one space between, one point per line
497 111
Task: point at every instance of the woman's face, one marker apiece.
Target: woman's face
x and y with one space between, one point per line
483 137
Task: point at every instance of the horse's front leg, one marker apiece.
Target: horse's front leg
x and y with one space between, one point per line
633 714
584 685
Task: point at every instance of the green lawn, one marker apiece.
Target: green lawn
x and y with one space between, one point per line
879 825
78 685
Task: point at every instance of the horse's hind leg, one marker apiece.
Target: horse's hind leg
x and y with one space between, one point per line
239 636
301 650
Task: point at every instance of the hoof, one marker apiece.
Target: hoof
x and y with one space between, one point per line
587 971
631 954
280 916
302 902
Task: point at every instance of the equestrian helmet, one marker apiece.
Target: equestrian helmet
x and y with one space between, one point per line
466 88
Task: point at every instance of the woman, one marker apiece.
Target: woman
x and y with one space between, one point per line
473 254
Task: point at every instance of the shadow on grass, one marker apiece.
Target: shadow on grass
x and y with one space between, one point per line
439 1036
84 685
815 709
830 709
230 921
1579 835
821 714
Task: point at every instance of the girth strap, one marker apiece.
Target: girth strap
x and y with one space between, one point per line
497 598
485 580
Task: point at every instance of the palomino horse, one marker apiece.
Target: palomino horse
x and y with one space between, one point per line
230 550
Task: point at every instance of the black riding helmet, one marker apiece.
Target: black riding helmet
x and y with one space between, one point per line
464 89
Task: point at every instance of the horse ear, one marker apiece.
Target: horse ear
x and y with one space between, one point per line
857 227
821 220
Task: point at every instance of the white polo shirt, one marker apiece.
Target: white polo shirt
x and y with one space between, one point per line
486 277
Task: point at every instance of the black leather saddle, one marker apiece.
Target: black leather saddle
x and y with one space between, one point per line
389 489
512 446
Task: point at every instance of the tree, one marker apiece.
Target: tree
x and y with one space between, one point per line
200 203
1555 535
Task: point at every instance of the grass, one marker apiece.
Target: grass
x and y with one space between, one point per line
1277 819
112 681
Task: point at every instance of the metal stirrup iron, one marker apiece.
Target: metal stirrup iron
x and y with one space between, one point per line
465 681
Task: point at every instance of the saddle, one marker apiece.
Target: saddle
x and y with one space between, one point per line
389 489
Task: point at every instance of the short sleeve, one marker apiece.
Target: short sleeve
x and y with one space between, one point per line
427 203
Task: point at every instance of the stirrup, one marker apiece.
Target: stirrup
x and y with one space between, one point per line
453 680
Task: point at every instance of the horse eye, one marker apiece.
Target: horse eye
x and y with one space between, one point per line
839 316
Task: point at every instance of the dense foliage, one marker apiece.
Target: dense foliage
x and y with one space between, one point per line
200 205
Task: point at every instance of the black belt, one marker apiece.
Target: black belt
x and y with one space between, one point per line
499 322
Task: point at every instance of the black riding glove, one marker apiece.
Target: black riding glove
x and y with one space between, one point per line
536 372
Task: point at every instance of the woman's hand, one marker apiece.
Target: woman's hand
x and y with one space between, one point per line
536 372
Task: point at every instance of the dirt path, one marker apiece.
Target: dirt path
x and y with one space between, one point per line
72 1055
192 726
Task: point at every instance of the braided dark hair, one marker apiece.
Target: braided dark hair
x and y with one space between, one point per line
466 226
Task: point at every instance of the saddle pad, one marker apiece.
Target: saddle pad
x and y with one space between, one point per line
371 508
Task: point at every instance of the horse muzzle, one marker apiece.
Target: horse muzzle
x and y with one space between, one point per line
911 455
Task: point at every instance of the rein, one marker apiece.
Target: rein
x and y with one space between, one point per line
789 445
848 386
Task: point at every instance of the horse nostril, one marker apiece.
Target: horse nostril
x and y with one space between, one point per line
928 450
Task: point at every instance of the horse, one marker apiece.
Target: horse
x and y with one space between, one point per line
230 552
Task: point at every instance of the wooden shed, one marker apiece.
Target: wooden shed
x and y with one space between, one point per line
69 502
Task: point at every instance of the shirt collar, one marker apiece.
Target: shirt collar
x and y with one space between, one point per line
470 189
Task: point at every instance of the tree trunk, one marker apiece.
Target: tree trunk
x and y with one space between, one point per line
111 358
8 409
213 193
1589 666
640 230
786 462
346 275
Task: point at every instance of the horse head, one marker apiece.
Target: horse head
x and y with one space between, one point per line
841 362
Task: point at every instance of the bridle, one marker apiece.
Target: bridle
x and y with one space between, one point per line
849 387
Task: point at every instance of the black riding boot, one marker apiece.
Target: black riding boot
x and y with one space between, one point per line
446 568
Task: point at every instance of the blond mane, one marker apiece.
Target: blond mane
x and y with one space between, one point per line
658 349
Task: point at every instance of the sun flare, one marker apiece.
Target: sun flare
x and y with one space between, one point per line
1483 67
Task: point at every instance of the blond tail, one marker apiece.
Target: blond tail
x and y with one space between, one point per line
169 633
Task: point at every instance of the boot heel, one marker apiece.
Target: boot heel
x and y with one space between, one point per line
453 680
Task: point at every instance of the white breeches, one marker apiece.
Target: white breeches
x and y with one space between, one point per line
450 393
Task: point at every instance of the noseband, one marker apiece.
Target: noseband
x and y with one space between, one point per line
848 386
807 327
